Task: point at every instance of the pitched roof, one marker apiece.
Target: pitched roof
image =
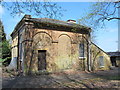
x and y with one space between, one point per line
54 24
99 48
114 53
60 25
54 21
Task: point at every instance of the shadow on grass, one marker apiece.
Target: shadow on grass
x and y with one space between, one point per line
108 75
48 80
77 81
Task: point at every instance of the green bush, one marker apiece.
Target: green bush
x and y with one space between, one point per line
5 47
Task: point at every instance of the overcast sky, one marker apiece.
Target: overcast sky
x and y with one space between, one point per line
105 39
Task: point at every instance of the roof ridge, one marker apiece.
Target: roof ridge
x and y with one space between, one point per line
53 19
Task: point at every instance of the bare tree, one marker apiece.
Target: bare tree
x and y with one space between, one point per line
45 8
101 12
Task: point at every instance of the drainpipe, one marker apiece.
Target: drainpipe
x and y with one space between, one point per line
18 59
89 53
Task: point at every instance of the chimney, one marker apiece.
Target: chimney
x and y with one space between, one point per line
71 21
26 17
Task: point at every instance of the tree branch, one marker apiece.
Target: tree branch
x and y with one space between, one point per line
112 18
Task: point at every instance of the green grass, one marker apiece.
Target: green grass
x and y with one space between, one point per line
2 60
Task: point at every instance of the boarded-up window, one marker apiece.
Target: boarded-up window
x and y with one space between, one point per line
81 50
64 52
101 61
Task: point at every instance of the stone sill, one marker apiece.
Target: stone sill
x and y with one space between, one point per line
82 58
102 66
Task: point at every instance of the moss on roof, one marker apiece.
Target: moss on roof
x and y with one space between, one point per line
54 24
58 23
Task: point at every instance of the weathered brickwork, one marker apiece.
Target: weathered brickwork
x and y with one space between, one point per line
96 53
59 48
62 50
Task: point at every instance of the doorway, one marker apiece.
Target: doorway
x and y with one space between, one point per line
41 59
113 61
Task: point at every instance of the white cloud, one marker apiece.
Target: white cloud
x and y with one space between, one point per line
112 30
1 10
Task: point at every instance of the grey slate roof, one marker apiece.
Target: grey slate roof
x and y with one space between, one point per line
53 24
114 53
58 22
53 21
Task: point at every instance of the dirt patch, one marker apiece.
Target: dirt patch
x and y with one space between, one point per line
66 79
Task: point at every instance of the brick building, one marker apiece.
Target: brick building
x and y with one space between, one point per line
54 45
